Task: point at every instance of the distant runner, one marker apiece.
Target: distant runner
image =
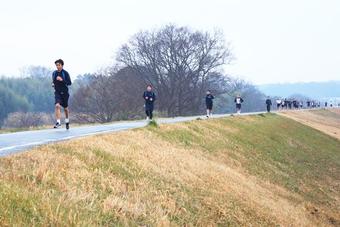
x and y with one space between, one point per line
209 103
284 104
278 103
61 80
238 100
269 104
289 103
149 97
295 104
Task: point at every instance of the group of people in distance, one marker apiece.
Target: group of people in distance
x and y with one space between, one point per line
61 80
282 104
209 103
288 104
150 97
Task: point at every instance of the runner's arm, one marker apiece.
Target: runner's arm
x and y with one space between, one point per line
68 81
53 79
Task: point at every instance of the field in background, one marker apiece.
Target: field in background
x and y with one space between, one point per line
265 170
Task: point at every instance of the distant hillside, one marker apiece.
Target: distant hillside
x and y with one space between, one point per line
317 90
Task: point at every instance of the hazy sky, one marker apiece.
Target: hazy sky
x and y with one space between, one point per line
272 40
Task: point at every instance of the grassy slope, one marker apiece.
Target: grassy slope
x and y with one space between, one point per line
324 120
264 170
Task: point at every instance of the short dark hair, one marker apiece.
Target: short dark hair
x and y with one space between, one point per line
60 61
149 85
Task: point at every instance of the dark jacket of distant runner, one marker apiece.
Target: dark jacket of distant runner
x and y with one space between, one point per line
209 101
238 100
269 102
150 98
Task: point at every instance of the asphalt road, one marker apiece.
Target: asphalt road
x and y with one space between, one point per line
11 143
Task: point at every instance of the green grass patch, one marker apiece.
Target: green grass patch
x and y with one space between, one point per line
153 124
272 147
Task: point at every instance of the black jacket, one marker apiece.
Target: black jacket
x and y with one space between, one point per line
269 102
209 99
61 86
149 97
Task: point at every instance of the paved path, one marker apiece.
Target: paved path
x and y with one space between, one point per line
11 143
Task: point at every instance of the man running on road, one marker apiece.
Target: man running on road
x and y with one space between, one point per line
269 104
149 97
61 80
238 101
209 103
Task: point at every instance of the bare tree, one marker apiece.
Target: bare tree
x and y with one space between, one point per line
95 99
110 95
130 87
179 63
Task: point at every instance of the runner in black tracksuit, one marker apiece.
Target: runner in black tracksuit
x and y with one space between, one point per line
238 101
209 103
269 104
149 97
61 80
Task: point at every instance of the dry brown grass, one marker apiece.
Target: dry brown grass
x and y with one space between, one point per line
138 178
326 121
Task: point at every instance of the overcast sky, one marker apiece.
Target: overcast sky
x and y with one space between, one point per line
273 41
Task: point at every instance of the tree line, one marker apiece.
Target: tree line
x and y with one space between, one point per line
180 63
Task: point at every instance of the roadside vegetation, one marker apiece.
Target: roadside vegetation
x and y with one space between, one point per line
262 170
